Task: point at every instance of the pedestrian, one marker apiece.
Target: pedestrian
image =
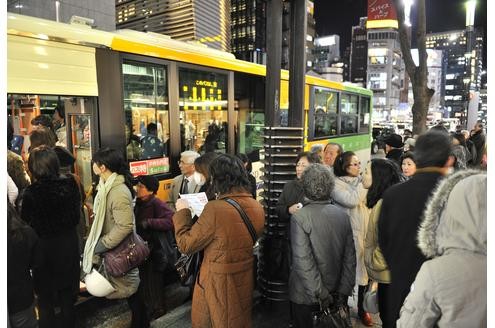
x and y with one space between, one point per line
478 138
407 164
292 197
152 146
113 222
223 294
330 153
450 289
401 213
350 194
318 149
154 225
380 175
202 176
471 148
59 124
459 151
249 168
51 206
23 254
393 147
323 259
183 183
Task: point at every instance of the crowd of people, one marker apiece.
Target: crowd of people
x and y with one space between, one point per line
413 222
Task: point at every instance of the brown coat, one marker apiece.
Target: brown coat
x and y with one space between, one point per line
224 289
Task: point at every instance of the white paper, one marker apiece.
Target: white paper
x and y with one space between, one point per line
196 202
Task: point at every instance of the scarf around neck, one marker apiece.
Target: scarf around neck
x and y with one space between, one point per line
100 206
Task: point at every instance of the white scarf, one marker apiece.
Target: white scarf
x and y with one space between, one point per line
100 207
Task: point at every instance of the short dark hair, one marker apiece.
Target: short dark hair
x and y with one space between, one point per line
227 174
203 162
43 163
433 148
312 157
461 138
384 173
407 154
318 182
43 120
151 128
342 162
42 136
60 108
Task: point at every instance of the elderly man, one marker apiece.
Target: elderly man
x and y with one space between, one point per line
184 183
332 150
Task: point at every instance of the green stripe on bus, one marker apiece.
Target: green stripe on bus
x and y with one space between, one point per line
352 143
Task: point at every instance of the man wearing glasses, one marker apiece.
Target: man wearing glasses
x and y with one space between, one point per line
184 183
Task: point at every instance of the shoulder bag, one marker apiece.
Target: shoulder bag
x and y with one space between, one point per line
187 267
129 254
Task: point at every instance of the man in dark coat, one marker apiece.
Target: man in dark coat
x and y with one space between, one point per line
401 213
393 147
478 139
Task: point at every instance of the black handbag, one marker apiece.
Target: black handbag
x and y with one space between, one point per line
187 267
164 252
334 316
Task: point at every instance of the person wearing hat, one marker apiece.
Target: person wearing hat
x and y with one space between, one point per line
393 147
153 221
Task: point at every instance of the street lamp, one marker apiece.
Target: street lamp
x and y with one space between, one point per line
407 11
470 10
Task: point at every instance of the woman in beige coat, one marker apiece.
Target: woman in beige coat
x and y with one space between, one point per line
114 216
223 292
379 175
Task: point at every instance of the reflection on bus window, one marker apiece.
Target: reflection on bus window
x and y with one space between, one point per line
325 113
203 105
80 127
364 115
146 111
349 114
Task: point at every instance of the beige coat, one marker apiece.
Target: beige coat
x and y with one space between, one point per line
119 222
373 257
223 293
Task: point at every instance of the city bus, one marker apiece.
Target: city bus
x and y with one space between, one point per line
119 87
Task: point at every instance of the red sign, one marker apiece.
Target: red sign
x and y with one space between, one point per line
150 166
381 10
138 168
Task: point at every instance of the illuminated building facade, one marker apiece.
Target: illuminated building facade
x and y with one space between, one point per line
463 67
205 21
359 53
102 12
248 23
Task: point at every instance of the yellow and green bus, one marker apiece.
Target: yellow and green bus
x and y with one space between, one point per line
113 85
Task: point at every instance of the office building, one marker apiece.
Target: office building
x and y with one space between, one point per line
463 67
326 51
205 21
359 53
101 12
248 24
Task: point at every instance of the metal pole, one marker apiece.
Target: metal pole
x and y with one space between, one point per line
57 11
274 60
297 62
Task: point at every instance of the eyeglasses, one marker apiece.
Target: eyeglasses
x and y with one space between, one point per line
182 162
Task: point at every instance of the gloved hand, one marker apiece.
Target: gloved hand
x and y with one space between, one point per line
144 224
325 299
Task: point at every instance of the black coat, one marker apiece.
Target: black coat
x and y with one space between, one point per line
53 208
395 154
478 139
400 217
291 194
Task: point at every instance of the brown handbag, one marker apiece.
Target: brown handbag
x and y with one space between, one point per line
129 254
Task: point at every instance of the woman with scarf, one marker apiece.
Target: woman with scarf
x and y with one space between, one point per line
113 222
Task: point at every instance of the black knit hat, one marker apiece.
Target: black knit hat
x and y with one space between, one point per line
150 182
394 140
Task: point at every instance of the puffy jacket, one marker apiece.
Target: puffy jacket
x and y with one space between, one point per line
450 289
323 255
373 257
350 195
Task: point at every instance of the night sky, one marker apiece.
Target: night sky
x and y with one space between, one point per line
338 17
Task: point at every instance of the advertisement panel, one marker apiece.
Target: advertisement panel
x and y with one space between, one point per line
151 166
381 10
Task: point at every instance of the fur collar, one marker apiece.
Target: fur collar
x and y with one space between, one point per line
427 234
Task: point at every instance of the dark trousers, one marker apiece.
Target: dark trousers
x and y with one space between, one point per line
23 319
361 290
388 317
47 301
139 312
301 314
